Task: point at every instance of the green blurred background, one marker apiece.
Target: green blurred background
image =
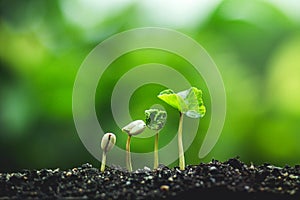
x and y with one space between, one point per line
255 44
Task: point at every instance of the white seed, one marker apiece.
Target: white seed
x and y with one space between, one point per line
134 128
108 141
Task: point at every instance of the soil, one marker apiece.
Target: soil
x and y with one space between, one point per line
231 179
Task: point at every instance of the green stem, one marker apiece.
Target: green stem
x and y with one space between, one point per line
156 151
180 145
103 161
128 156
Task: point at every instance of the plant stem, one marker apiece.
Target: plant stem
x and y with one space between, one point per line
156 151
103 161
180 145
128 156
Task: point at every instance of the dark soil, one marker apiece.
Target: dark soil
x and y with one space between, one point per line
227 180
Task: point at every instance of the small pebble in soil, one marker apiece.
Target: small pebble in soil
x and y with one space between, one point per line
164 187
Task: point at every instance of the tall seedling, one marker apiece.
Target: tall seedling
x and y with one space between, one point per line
188 102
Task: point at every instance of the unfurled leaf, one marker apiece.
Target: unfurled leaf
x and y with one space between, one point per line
155 119
173 99
188 101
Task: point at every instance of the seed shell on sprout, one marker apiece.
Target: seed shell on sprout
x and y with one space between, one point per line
134 128
108 141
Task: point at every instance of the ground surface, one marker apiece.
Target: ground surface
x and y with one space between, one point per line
229 180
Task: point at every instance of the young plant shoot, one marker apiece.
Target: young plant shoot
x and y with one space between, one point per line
134 128
107 143
188 102
155 120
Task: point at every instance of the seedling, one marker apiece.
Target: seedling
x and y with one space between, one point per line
107 143
155 120
188 102
134 128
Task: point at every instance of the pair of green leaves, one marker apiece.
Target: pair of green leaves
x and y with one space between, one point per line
188 102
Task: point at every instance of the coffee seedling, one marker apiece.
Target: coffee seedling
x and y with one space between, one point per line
107 143
134 128
188 102
155 120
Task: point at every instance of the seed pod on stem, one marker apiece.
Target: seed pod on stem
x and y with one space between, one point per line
134 128
107 143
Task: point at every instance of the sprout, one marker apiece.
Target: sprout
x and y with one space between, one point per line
188 102
155 120
107 143
134 128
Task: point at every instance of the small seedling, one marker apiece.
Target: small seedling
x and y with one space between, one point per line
107 143
155 120
188 102
134 128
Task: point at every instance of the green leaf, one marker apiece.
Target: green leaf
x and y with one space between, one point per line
155 119
174 100
188 101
